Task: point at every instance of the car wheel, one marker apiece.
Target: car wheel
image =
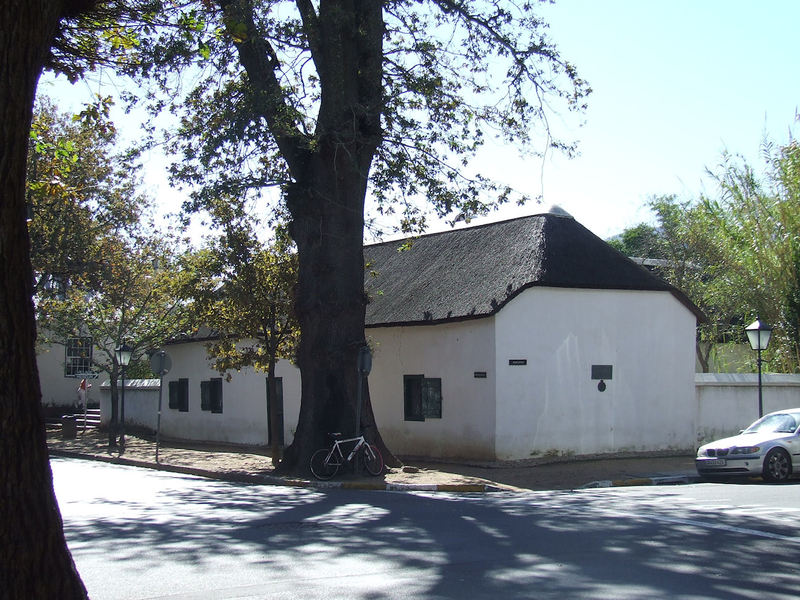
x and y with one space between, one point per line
777 465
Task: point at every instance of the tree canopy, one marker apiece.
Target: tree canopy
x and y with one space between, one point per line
251 81
80 191
736 253
753 231
328 101
243 291
101 268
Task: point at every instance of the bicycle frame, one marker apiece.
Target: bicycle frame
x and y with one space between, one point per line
336 448
325 462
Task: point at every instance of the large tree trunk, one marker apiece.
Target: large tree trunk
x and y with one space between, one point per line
34 560
328 227
326 202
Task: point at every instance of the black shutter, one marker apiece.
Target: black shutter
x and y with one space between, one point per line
173 394
183 395
215 388
412 397
205 395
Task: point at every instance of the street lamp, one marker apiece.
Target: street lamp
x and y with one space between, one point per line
123 354
758 333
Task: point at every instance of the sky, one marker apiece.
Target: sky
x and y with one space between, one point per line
675 84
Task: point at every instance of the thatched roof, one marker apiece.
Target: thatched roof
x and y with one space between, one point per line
474 272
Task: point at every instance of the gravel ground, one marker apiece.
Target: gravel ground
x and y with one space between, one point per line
542 474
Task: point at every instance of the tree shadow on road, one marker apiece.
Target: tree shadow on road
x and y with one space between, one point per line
591 544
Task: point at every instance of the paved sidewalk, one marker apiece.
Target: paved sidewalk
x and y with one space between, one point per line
255 466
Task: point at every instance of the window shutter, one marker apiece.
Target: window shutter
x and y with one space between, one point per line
412 397
215 389
183 395
205 395
173 394
432 398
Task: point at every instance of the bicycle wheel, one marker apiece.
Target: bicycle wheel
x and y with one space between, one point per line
323 465
373 460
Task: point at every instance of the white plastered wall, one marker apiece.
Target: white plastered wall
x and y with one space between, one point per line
453 352
57 390
728 402
244 414
552 406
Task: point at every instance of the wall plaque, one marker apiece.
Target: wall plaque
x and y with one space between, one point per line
602 371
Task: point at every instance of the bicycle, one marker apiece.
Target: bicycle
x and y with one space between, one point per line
325 462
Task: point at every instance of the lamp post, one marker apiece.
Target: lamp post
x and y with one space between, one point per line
758 333
123 354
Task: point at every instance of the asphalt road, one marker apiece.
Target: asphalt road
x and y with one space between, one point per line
140 534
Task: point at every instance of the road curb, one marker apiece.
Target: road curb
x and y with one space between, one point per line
642 481
239 477
462 488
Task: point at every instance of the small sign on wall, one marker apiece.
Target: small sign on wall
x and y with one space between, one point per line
602 372
518 362
480 374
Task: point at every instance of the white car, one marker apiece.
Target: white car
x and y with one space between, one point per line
769 447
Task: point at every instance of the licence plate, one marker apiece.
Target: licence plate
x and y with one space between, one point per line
716 462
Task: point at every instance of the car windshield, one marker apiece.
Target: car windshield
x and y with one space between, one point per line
780 423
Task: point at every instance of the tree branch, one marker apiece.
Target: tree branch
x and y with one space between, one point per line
260 61
311 27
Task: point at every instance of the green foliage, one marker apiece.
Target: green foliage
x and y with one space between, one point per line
737 254
78 190
754 226
99 269
450 75
243 292
138 299
641 241
106 34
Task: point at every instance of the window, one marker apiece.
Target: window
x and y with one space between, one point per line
422 397
78 360
179 395
211 395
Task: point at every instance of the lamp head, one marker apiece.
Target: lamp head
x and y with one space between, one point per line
758 334
123 354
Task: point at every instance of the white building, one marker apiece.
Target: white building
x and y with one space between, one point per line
510 340
200 404
61 368
519 322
